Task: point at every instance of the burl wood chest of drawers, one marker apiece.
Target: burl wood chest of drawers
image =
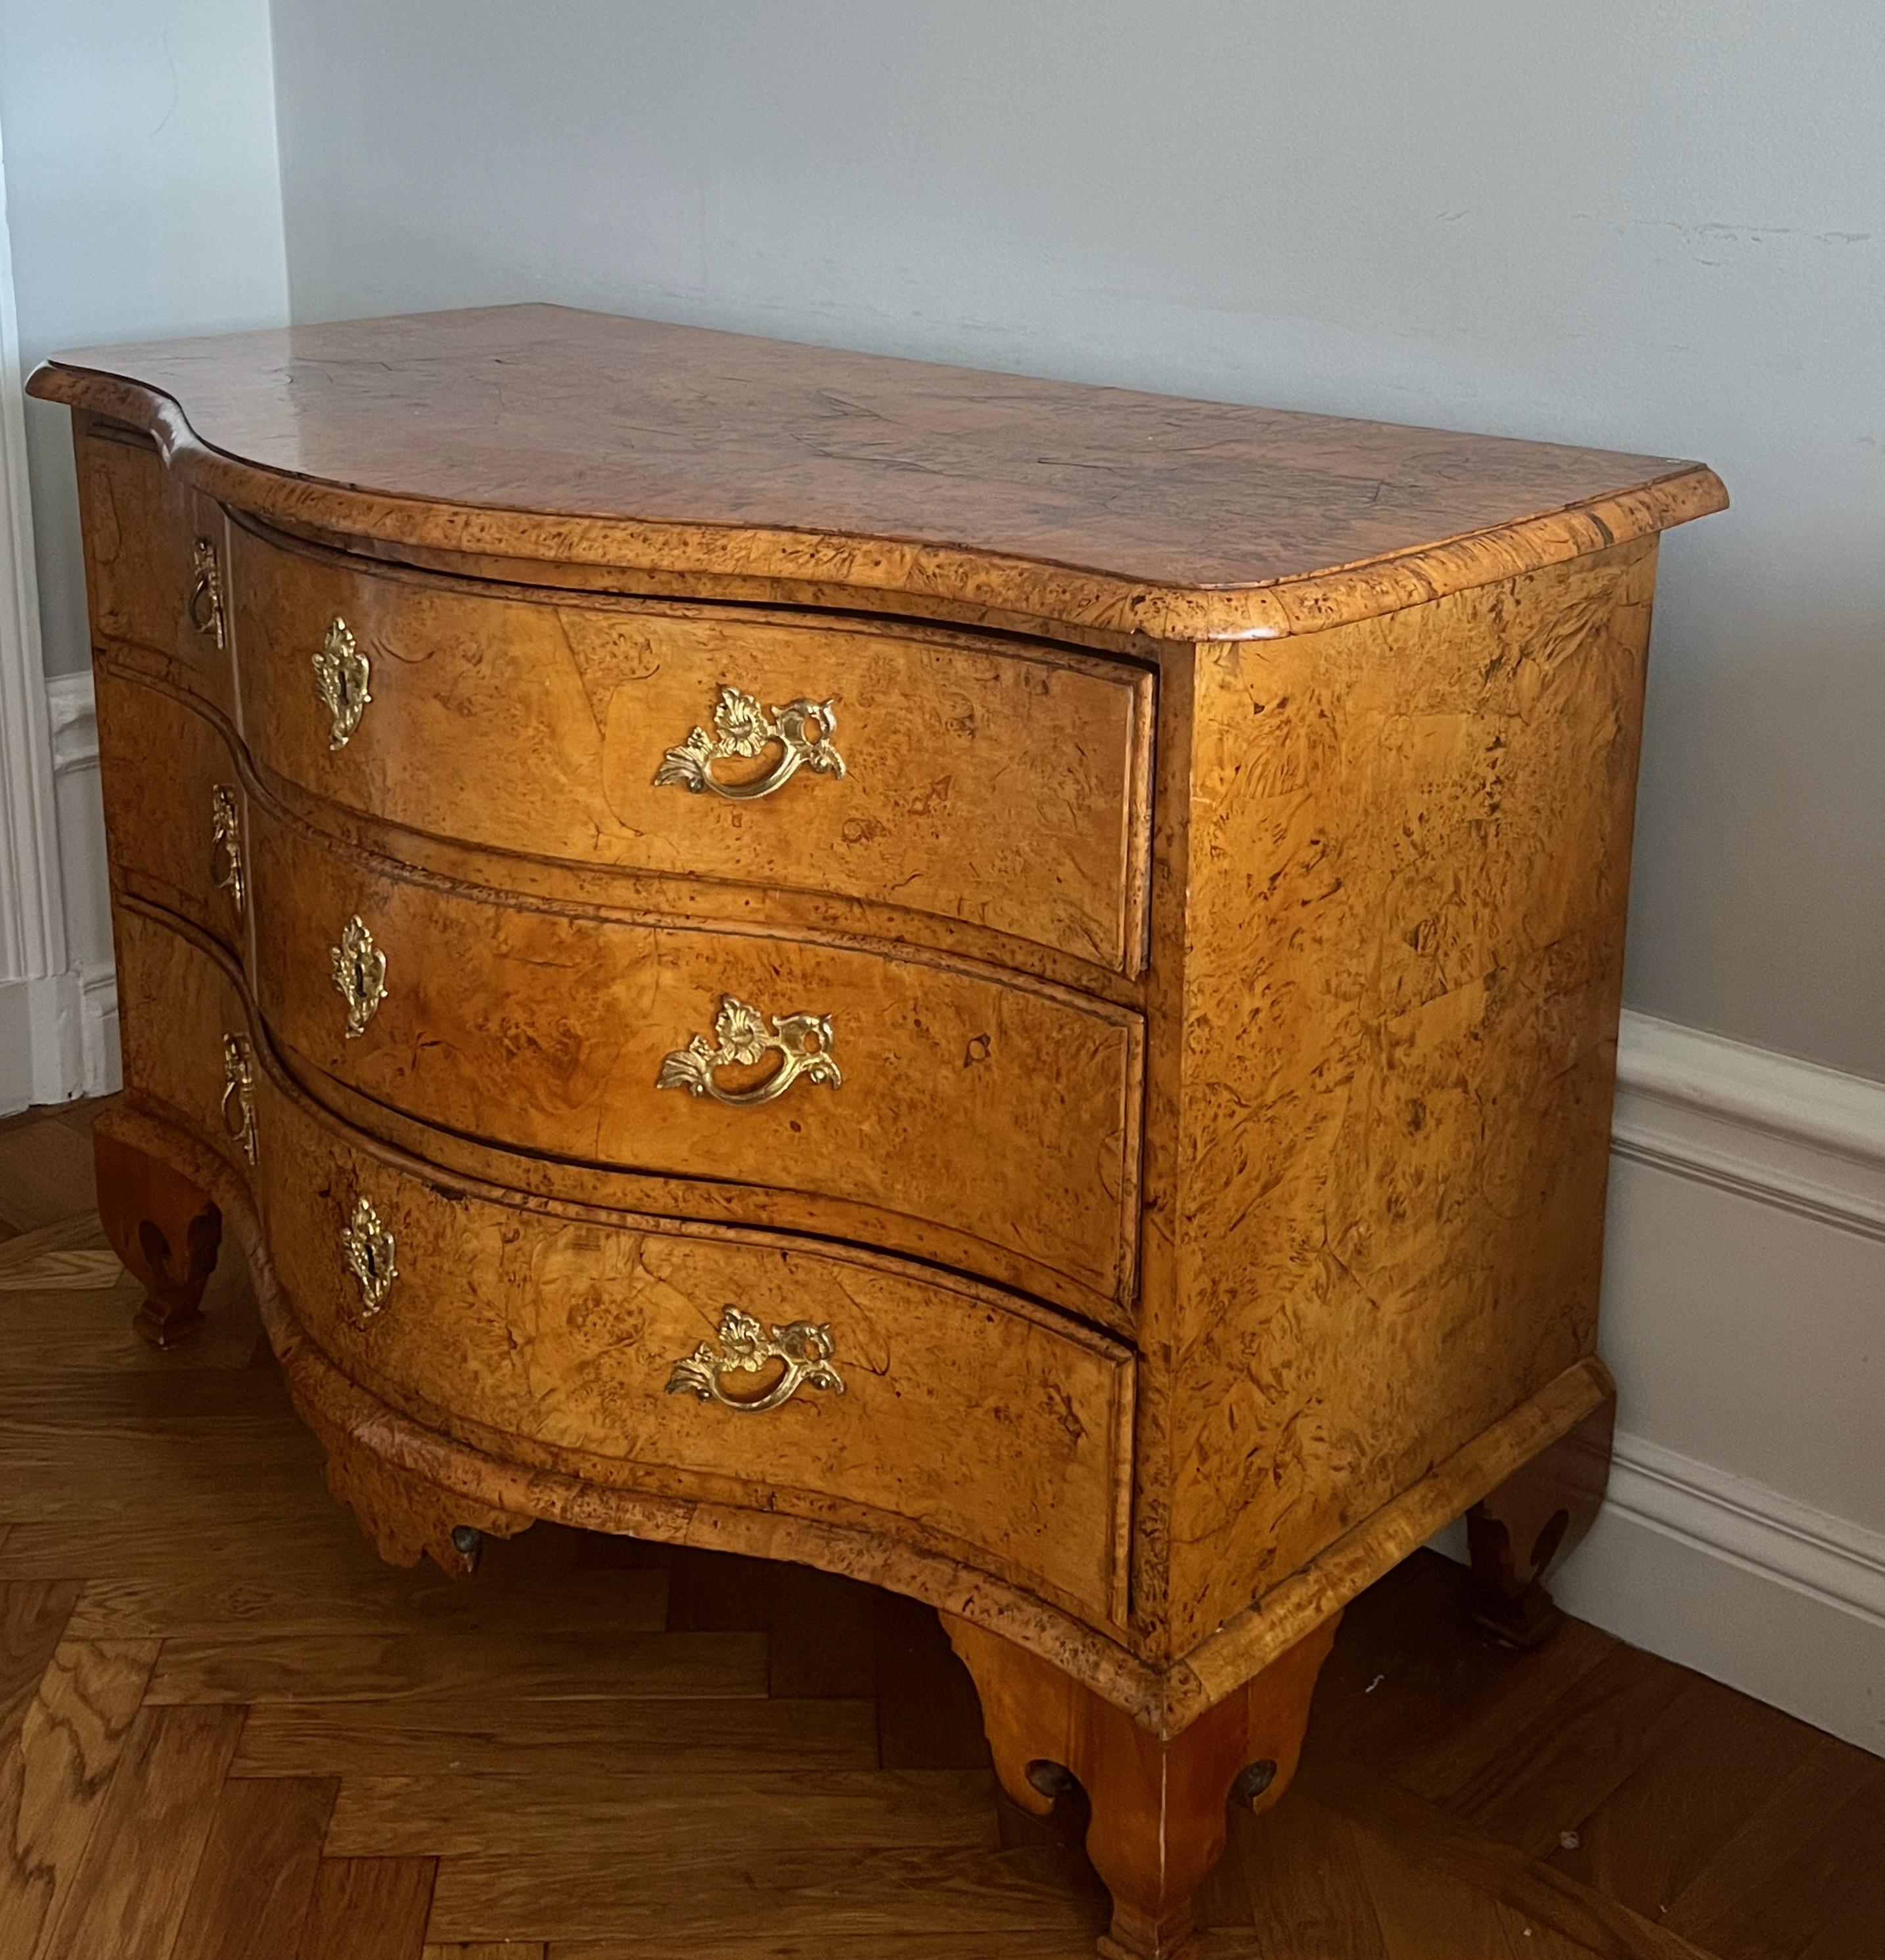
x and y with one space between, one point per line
1005 988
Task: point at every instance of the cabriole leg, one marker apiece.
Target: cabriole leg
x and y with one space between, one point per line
1521 1533
167 1231
1159 1808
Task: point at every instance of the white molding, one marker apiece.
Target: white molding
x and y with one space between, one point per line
32 917
16 1045
1780 1598
1827 1560
1742 1584
71 715
87 1027
1724 1573
100 1072
1770 1127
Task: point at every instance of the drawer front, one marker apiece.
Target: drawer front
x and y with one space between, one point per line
156 567
174 807
970 1114
184 1033
937 1413
1004 788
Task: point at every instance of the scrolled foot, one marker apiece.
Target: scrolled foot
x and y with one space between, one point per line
1159 1805
1519 1534
167 1231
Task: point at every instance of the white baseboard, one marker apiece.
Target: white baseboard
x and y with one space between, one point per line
1751 1627
1737 1581
100 1071
1744 1534
42 1040
1742 1583
1763 1532
59 1035
15 1046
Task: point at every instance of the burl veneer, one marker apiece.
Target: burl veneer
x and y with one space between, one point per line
1005 987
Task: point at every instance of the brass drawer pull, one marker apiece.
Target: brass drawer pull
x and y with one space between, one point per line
239 1082
368 1247
802 1043
360 975
225 844
803 1350
803 729
206 592
340 674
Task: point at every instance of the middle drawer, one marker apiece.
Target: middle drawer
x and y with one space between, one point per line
977 1118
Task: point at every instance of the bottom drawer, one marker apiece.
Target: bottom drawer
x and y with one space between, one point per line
752 1369
184 1027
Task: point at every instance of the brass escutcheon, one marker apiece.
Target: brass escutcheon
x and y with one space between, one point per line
360 974
341 674
368 1247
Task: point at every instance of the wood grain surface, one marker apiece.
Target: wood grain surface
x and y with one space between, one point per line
548 433
506 1473
159 766
976 1425
141 526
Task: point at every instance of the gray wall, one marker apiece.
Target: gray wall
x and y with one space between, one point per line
143 190
1656 227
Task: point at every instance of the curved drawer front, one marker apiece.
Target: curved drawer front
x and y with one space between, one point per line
997 783
968 1115
156 567
175 812
933 1412
185 1035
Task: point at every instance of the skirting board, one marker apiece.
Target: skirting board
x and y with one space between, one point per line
76 1045
1737 1582
1744 1302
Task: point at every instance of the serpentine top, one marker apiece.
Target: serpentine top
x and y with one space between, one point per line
541 432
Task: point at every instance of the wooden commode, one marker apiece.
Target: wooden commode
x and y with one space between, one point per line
1004 988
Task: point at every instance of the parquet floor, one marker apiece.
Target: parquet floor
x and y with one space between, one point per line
227 1732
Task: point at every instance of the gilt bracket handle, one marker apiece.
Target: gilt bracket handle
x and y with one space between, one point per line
803 1350
802 1043
801 729
206 592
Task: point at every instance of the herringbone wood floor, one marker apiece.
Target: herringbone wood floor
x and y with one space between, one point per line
227 1732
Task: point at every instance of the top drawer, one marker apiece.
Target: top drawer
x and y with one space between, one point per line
155 568
1000 783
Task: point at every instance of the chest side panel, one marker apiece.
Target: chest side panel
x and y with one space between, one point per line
1410 857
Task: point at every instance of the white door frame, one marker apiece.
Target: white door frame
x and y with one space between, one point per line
39 1046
